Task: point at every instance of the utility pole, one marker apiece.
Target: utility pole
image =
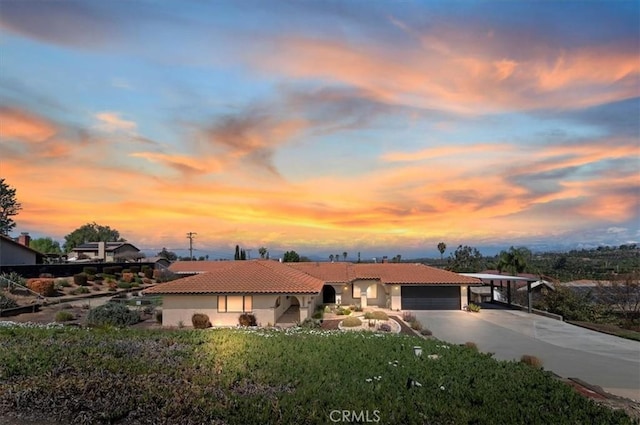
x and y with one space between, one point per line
190 236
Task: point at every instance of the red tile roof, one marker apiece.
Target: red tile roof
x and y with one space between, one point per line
195 267
411 273
254 276
259 276
327 272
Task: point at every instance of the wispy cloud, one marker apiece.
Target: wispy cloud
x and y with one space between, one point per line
21 125
112 122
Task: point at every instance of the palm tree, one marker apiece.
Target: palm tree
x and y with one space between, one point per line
262 251
344 255
442 247
337 257
331 258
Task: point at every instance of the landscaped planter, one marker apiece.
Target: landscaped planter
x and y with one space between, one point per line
395 326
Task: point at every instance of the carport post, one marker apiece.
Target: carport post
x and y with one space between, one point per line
492 292
509 292
529 296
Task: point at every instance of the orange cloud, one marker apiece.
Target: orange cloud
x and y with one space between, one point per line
185 164
446 151
16 124
439 74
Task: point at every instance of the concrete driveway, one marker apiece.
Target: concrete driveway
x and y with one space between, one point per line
570 351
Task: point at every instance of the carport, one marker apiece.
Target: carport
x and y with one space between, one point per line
488 278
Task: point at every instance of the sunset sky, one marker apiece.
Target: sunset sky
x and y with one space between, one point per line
382 127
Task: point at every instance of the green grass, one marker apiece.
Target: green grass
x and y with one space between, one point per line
268 376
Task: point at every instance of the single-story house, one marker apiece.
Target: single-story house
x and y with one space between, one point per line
275 292
106 251
15 252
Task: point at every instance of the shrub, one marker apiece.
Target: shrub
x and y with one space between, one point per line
135 269
64 316
426 332
44 287
327 309
127 277
138 280
90 270
63 283
376 315
473 307
351 322
113 314
471 345
416 325
124 285
200 321
13 277
531 361
247 319
134 284
80 279
343 311
80 290
384 327
408 317
317 315
148 272
6 303
309 323
126 271
159 316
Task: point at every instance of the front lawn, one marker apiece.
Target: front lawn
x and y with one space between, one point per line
236 376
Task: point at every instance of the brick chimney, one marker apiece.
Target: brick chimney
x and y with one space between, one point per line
24 239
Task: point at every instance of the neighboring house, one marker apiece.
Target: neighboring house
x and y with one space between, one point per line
106 251
275 291
15 252
586 287
158 261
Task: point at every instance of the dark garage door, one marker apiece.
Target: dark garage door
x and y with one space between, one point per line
430 298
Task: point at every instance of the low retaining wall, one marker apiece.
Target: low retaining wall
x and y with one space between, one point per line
19 310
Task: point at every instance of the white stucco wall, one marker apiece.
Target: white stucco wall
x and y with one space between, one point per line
180 308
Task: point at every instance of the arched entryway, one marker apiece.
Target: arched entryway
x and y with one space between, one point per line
328 294
292 313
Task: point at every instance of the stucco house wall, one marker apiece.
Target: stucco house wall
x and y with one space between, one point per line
180 308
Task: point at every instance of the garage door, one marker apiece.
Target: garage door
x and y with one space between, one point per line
430 298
